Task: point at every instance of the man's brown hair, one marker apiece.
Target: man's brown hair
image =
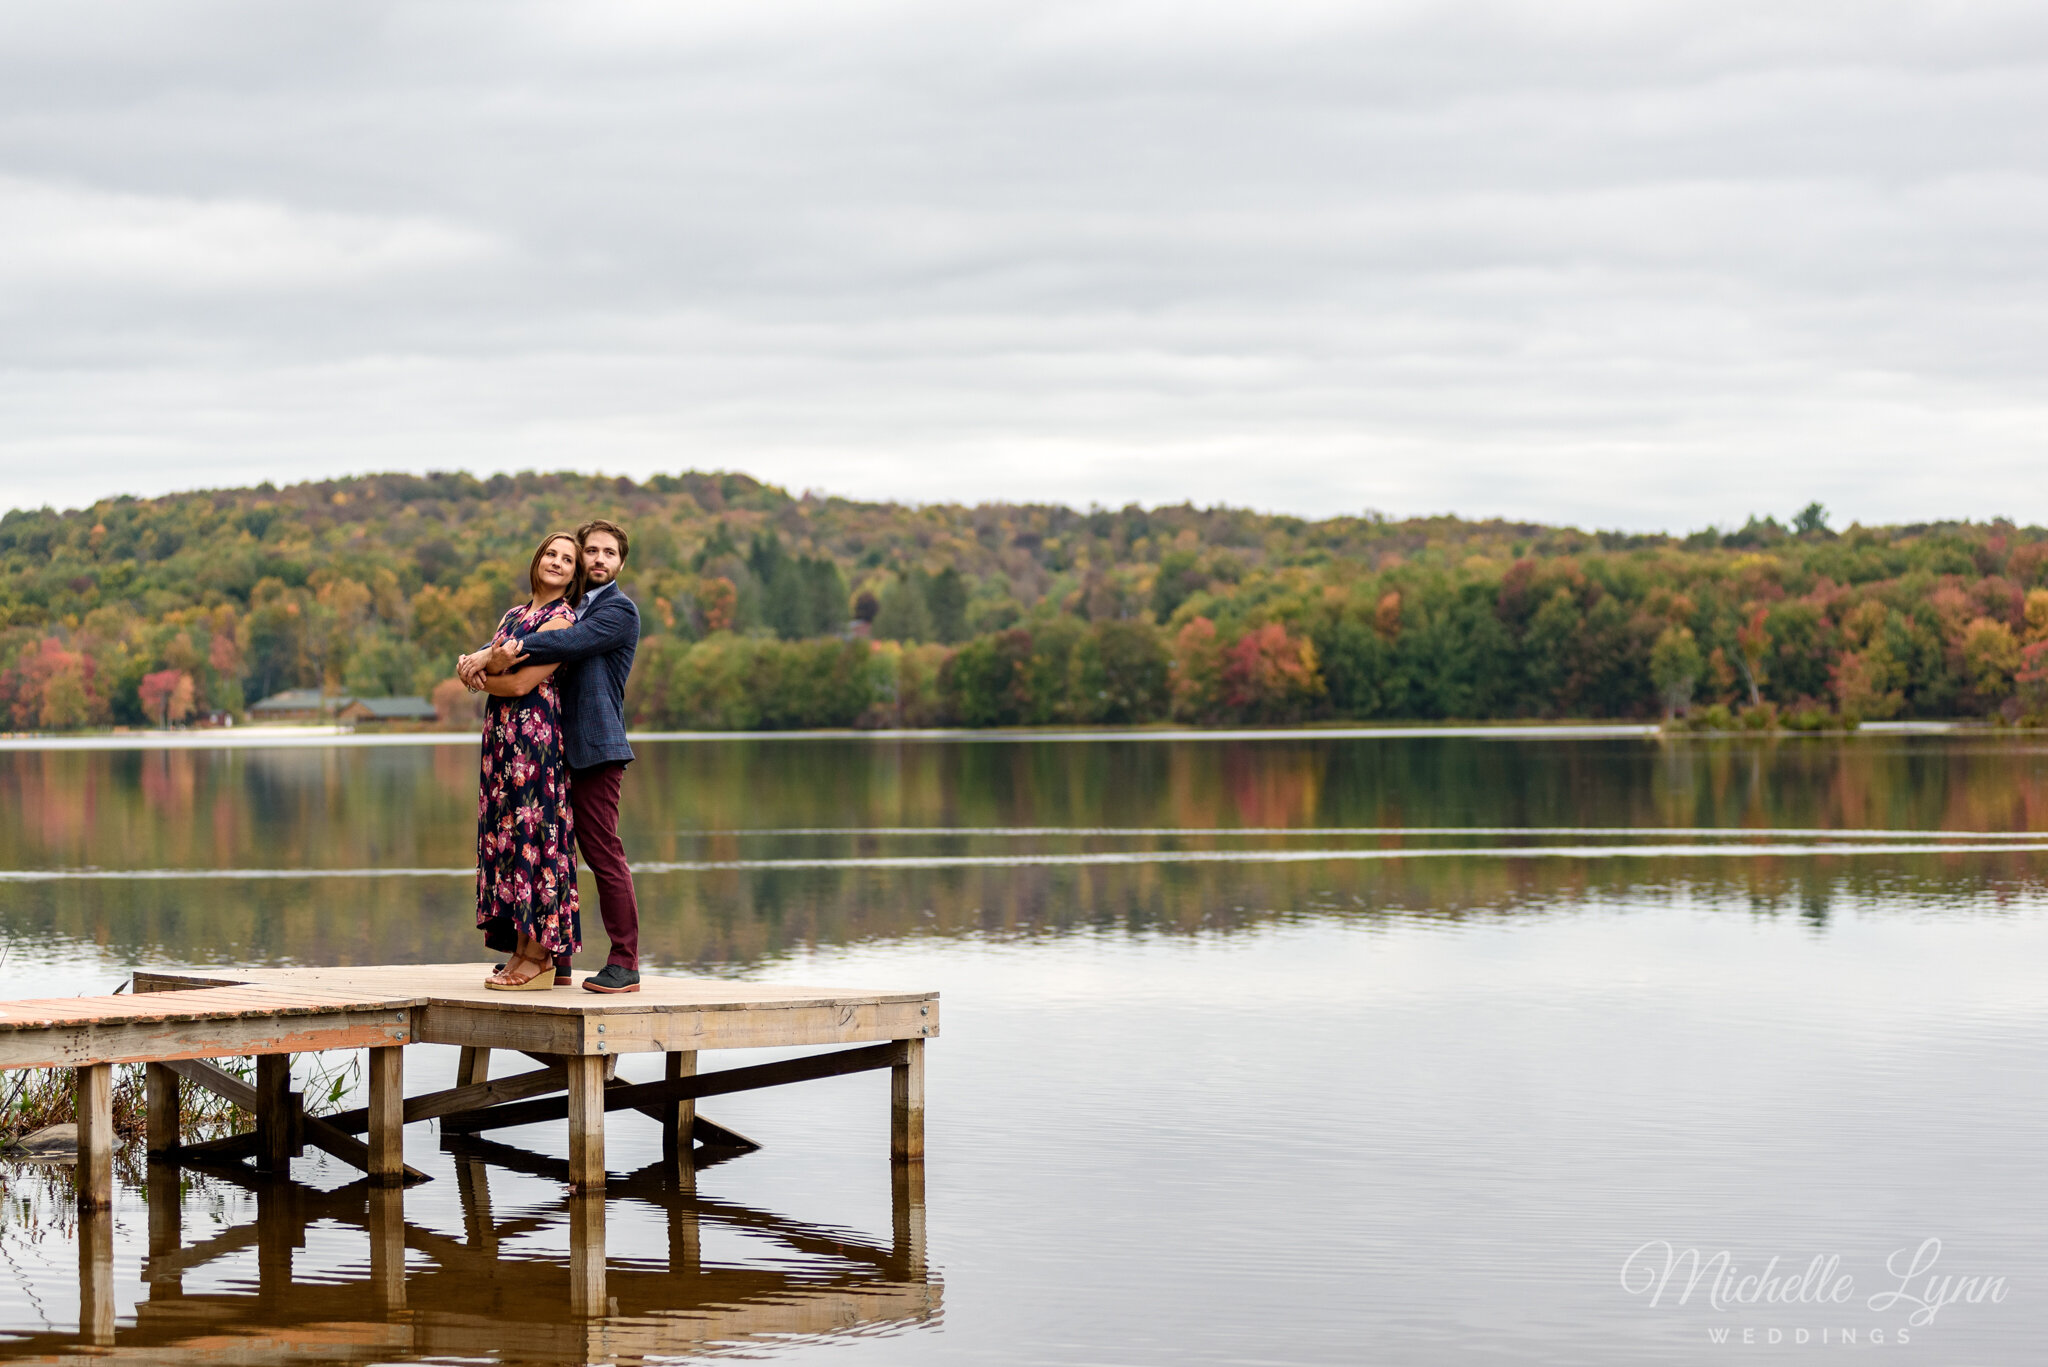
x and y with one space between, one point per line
573 591
618 534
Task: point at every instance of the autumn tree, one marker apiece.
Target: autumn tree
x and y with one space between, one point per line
1675 665
1990 658
167 695
1197 672
1752 640
1270 675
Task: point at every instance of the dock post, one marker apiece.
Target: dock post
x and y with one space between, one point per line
160 1089
586 1253
679 1119
472 1065
274 1149
96 1136
906 1103
387 1115
586 1122
96 1303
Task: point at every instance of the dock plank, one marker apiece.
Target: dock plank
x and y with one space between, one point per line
451 983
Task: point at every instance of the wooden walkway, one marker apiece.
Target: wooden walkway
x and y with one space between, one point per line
176 1021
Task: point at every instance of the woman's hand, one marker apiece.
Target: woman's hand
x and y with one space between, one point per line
470 669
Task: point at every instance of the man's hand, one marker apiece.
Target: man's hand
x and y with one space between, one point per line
506 656
470 669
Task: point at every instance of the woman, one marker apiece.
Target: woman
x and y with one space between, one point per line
525 831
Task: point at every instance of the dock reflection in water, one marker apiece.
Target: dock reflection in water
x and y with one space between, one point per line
418 1294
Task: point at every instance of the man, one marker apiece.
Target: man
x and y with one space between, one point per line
597 655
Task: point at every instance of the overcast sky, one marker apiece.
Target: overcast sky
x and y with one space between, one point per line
1624 265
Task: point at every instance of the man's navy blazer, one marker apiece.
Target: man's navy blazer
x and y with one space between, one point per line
596 655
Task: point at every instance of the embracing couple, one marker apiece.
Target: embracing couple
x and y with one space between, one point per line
554 752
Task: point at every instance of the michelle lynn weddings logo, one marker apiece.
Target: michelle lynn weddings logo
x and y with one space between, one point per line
1829 1307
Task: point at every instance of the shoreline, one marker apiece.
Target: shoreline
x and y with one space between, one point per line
337 737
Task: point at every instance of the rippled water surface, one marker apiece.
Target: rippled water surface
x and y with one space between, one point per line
1289 1050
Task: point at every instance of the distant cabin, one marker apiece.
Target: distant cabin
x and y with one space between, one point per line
296 704
377 711
310 705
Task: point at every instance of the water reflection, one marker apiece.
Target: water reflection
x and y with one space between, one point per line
763 838
415 806
722 919
407 1292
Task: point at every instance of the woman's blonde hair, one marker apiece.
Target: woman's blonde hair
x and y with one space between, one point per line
573 591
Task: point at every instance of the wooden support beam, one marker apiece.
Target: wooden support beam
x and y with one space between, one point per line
160 1093
95 1174
713 1135
216 1080
331 1134
611 1061
453 1100
387 1116
704 1130
472 1066
585 1107
906 1104
349 1149
679 1117
232 1149
275 1113
725 1081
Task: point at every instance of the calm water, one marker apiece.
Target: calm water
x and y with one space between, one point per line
1282 1051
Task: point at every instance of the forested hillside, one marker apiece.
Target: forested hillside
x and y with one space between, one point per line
766 610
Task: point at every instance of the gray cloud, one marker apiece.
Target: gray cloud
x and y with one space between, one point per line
1627 265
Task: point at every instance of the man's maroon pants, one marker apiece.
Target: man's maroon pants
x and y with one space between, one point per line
594 793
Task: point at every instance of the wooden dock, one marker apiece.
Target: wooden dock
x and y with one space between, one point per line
175 1022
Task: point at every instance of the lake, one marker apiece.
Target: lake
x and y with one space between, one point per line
1405 1048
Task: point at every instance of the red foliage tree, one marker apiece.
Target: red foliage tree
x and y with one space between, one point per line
53 689
1270 675
167 695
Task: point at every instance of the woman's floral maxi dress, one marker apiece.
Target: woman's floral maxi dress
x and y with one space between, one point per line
525 829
